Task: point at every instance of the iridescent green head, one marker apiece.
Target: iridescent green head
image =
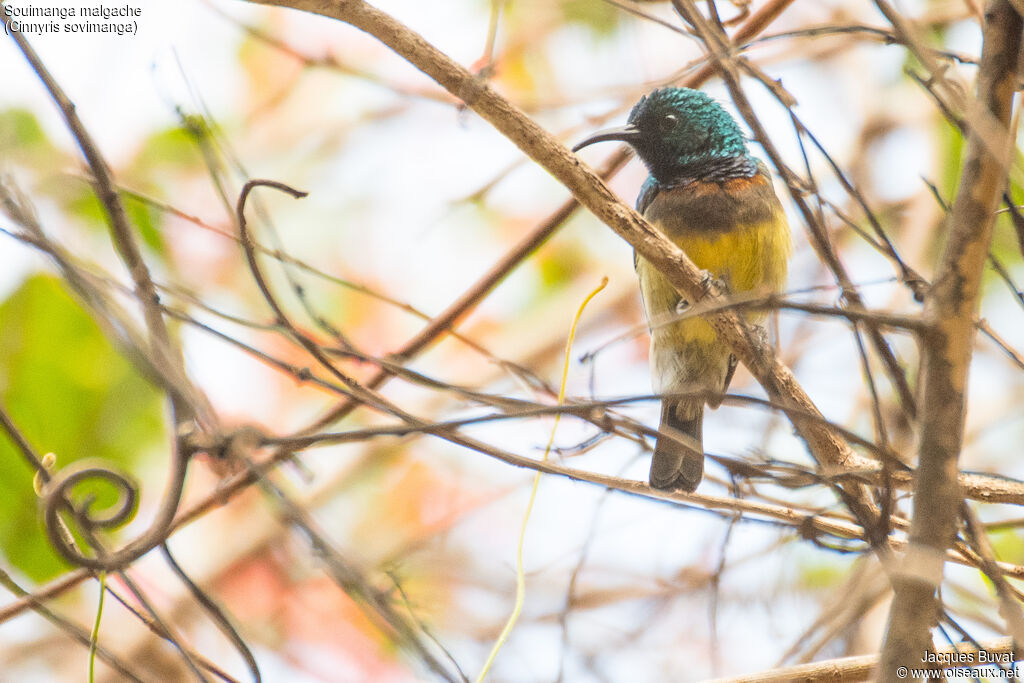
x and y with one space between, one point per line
681 133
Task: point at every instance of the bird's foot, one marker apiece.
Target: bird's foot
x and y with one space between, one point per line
713 286
760 334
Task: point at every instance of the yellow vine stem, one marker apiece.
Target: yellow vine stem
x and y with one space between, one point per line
95 637
520 573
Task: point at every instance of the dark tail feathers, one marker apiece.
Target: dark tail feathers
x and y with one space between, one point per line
674 466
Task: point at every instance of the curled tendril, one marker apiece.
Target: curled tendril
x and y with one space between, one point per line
72 521
69 517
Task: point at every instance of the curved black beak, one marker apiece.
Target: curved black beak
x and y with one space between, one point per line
627 133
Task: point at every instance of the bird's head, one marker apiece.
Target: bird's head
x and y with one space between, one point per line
674 130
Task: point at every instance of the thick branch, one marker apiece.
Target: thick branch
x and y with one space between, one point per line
950 309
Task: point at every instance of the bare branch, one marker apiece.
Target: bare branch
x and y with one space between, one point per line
950 309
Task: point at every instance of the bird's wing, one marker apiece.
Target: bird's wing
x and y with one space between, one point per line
647 194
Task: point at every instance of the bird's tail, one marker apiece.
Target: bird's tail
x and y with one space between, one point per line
675 466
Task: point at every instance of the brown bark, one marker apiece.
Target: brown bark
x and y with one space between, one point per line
950 310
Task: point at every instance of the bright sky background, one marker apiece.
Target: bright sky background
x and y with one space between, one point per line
124 88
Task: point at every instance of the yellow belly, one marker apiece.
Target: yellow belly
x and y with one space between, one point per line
749 258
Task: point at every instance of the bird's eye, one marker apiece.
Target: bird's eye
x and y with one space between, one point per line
667 123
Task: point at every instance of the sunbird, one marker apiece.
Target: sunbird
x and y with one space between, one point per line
707 194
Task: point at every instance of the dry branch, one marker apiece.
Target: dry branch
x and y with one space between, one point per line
950 309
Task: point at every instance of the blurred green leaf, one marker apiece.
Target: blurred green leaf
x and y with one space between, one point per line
19 129
951 152
600 17
1006 244
1008 545
171 147
70 393
559 265
81 202
23 141
146 221
821 573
